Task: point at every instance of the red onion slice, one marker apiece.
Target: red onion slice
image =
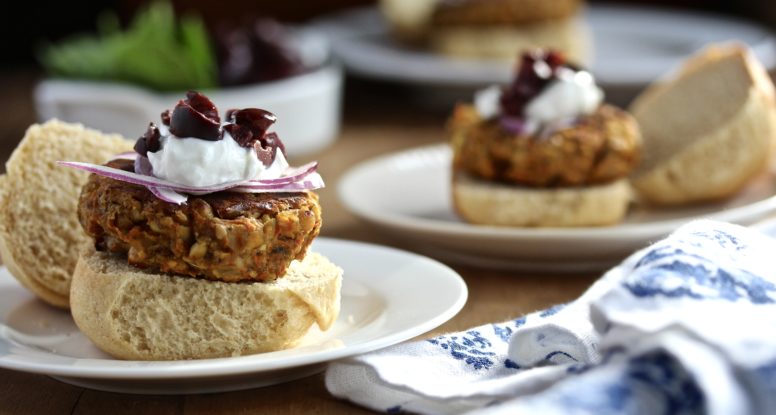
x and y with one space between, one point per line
291 174
514 125
143 166
167 195
305 179
127 155
128 177
311 181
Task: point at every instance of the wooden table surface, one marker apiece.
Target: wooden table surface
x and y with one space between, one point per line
378 119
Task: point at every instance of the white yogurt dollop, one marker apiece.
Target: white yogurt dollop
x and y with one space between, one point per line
195 162
488 101
570 95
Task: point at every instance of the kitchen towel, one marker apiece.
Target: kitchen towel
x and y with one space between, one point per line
685 326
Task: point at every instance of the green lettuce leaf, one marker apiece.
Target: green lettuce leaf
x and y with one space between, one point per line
155 51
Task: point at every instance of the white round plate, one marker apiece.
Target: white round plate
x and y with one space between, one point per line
408 194
388 296
632 46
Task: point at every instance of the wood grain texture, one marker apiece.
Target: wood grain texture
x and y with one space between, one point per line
379 119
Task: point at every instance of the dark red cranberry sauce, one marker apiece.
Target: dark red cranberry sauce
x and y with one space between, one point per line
197 117
258 51
537 69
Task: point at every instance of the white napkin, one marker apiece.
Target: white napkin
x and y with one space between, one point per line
685 326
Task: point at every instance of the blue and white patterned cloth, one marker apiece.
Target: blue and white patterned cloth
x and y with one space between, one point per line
686 326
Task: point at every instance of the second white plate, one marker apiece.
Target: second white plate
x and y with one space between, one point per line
632 46
408 194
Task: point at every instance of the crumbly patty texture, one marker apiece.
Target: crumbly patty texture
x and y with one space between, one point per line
221 236
601 148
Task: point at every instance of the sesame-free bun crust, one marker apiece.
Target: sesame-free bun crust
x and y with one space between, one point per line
40 235
707 131
499 204
133 314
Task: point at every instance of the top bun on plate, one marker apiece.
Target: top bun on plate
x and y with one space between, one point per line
490 29
708 129
39 231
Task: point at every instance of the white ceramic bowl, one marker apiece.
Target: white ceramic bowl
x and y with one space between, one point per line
307 105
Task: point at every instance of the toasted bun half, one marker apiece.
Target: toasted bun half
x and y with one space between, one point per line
39 231
498 204
708 130
132 314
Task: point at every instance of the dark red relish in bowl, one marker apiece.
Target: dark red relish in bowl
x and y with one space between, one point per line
255 52
537 69
196 117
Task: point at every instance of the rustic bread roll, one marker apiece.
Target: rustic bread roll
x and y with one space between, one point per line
708 130
133 314
39 231
491 203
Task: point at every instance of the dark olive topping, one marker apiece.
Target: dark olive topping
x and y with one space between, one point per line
254 124
537 69
273 140
149 141
249 128
203 104
267 148
197 117
166 117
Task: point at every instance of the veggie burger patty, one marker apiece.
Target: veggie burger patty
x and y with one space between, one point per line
225 236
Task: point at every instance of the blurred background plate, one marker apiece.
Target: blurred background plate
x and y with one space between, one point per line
632 46
307 105
407 194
